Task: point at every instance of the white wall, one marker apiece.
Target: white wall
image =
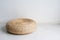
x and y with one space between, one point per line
44 11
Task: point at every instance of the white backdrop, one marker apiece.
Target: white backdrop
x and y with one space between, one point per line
44 11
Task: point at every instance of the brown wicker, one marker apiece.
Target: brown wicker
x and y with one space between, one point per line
21 26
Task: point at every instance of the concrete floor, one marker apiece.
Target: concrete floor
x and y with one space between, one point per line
43 32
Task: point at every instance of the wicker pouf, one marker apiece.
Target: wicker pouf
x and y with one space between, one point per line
21 26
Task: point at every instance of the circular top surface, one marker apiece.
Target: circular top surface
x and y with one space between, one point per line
21 21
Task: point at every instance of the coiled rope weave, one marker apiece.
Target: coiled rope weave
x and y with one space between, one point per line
21 26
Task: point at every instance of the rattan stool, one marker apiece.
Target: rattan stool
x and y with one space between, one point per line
21 26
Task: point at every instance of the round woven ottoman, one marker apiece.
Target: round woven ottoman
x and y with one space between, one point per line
21 26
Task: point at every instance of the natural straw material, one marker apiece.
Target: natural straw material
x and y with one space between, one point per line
21 26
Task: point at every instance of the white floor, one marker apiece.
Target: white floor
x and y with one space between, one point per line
43 32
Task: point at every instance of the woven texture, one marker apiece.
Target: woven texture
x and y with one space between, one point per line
21 26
